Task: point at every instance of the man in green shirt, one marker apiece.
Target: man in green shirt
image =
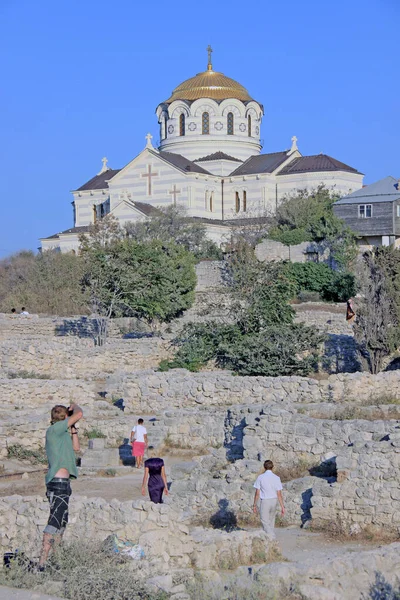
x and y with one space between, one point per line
60 445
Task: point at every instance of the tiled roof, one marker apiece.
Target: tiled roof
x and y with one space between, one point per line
81 229
261 163
145 208
99 182
180 162
384 190
317 162
217 156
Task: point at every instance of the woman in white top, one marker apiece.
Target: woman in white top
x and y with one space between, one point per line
139 441
269 489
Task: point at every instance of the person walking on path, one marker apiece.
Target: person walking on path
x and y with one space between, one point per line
139 441
269 490
60 446
154 471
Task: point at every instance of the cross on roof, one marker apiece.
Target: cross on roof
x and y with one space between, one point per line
149 137
150 174
294 143
174 192
104 168
209 50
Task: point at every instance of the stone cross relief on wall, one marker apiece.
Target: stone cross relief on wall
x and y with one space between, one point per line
150 174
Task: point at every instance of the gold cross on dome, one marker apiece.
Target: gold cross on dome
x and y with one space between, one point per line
209 50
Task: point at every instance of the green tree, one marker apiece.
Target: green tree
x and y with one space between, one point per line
308 216
151 281
172 224
377 328
261 338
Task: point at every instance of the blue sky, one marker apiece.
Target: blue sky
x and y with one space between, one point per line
81 79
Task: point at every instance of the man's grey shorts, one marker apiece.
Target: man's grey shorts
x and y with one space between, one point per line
58 491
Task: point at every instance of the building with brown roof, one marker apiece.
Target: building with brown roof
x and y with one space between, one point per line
209 160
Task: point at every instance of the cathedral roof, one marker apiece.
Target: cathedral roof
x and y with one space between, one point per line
99 182
209 84
261 163
81 229
179 161
316 162
217 156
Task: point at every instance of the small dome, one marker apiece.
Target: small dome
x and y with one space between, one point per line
209 84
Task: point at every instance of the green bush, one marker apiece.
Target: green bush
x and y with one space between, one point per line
290 237
309 276
199 343
333 286
276 351
341 288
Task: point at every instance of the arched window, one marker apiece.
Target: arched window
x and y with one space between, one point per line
165 129
206 200
211 201
94 213
230 123
182 124
249 125
237 202
205 123
244 201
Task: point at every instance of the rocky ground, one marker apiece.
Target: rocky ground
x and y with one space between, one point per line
329 438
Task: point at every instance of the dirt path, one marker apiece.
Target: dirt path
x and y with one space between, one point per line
123 487
299 545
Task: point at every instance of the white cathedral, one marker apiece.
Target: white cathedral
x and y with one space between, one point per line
209 161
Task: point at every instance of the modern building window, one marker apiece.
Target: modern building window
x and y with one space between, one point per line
249 125
237 202
230 123
365 211
182 124
244 201
205 123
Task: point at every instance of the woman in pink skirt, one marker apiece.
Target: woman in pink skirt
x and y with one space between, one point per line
139 441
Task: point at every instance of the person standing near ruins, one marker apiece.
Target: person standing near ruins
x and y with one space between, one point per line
269 490
139 442
60 447
154 472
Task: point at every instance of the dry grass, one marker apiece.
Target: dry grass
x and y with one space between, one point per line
299 468
82 571
339 530
235 590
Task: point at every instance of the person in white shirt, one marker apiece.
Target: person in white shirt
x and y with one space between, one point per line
139 441
269 490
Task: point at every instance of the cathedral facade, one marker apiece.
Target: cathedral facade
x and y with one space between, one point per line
209 160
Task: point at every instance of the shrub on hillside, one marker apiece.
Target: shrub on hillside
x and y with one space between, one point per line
333 286
276 351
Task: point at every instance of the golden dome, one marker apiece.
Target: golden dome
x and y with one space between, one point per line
209 84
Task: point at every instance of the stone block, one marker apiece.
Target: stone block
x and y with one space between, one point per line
96 444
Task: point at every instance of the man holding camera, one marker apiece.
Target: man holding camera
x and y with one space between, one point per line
60 449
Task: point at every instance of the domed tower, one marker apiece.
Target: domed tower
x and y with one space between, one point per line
210 113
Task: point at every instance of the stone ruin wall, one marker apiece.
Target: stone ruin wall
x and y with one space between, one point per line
78 358
161 530
367 489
